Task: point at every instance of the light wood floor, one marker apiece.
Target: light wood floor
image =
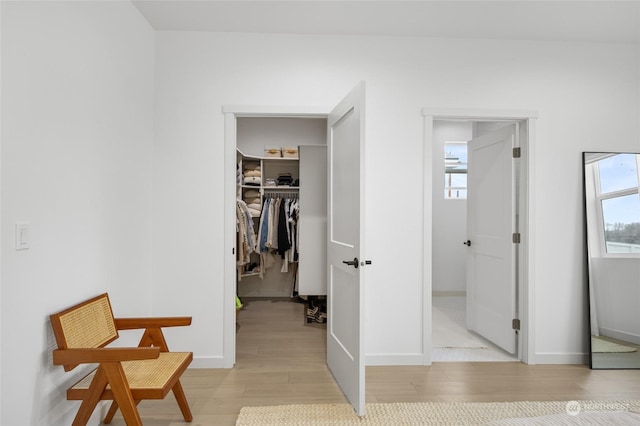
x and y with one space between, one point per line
281 360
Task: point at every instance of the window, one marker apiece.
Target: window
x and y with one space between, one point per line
455 170
617 194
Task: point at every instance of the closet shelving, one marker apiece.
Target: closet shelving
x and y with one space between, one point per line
271 168
305 274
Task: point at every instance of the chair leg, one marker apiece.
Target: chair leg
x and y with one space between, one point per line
178 392
112 412
122 393
98 384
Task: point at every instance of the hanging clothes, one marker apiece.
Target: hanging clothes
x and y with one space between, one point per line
247 242
266 258
294 211
263 229
277 234
284 243
284 236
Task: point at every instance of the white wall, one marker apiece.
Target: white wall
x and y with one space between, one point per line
449 216
617 295
586 96
77 133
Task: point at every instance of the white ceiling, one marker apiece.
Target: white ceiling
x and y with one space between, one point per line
600 21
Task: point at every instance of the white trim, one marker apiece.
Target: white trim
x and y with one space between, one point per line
479 114
427 244
620 335
562 358
276 111
229 291
208 362
527 250
526 301
1 222
448 293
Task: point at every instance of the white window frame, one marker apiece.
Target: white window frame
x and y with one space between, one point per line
446 184
599 197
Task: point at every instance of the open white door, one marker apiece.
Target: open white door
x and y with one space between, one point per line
345 337
491 275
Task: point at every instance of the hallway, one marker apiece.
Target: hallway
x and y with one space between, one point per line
451 340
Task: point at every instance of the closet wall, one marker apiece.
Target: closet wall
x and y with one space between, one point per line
254 135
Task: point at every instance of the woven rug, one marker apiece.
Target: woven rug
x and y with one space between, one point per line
599 345
434 413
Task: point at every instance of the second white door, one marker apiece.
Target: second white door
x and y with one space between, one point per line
491 272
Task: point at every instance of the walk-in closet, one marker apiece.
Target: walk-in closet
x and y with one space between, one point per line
281 206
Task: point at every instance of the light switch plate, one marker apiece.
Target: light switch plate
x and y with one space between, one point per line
23 241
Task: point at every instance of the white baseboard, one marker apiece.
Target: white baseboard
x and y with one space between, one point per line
620 335
372 360
562 358
409 359
448 293
210 362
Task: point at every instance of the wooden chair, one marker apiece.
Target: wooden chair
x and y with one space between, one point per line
124 375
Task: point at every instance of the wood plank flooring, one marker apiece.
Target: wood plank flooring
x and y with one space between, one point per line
282 360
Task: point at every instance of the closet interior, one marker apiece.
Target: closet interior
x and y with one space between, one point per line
281 207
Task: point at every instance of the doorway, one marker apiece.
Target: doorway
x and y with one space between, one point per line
445 204
231 116
456 335
345 301
281 278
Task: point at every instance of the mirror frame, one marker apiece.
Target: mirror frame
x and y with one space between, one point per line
589 263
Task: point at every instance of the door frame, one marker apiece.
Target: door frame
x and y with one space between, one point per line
231 114
527 203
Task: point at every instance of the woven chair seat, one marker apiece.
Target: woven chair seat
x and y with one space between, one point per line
148 379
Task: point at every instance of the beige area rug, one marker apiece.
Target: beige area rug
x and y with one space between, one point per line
448 413
599 345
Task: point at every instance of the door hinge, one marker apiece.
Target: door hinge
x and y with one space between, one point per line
516 238
516 152
515 324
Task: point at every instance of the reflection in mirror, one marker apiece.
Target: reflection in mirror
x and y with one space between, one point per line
612 208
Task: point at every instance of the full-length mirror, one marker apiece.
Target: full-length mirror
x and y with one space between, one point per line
612 208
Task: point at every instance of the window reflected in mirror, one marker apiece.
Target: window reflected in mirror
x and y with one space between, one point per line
614 183
621 230
612 217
